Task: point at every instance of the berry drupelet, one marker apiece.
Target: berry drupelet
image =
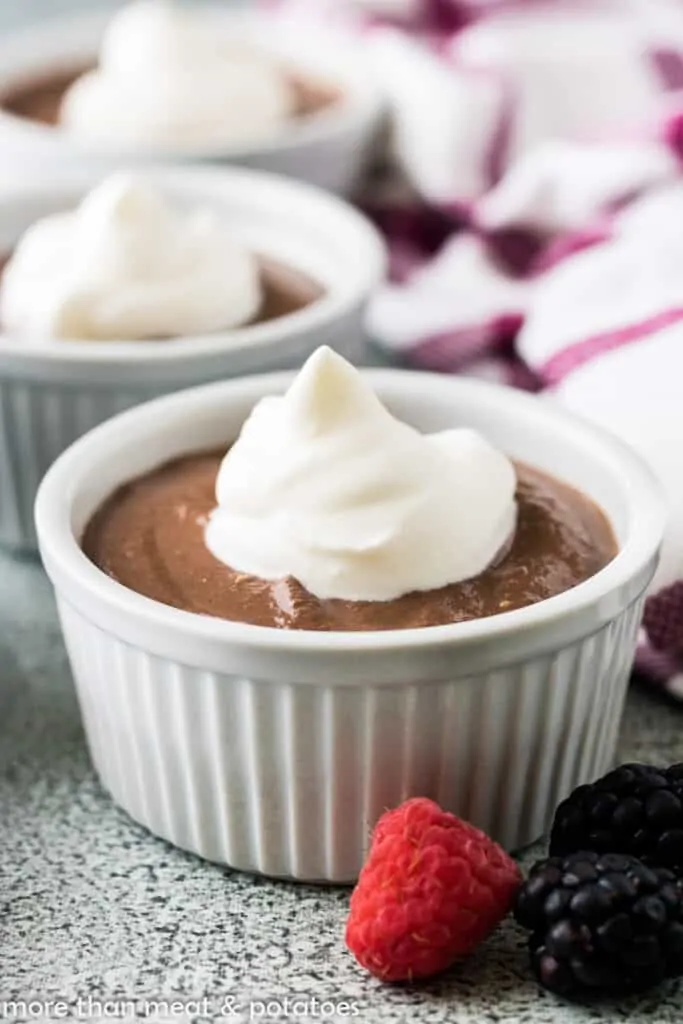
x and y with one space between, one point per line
635 809
602 924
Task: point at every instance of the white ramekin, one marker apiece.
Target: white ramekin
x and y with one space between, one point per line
329 149
275 751
52 392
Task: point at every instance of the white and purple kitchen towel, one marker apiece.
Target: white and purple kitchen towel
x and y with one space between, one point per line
533 202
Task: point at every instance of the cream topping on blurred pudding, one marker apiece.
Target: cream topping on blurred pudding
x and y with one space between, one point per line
128 265
172 77
329 513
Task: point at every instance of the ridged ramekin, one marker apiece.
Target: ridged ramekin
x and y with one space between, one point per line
275 751
329 149
54 391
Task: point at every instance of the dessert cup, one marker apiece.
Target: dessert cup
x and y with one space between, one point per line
329 148
53 391
275 751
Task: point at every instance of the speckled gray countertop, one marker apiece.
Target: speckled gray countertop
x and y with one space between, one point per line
96 914
93 906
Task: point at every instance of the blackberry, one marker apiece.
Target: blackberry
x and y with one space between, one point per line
636 809
602 924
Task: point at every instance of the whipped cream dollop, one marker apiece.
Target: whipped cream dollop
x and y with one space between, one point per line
326 486
128 265
171 77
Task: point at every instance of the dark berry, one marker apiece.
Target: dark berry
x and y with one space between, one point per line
602 924
636 810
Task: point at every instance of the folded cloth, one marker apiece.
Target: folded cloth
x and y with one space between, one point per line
532 198
604 331
473 84
474 87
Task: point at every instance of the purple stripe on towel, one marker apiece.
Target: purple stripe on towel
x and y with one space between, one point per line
581 352
452 351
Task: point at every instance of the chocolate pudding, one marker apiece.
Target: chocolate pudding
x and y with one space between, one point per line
285 290
39 98
149 536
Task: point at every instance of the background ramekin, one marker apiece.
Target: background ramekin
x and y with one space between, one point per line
329 149
275 751
53 392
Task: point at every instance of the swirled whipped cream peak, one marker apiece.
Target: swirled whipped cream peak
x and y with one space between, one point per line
172 77
128 265
326 486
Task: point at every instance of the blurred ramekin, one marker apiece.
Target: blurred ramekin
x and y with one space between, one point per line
53 392
275 751
329 149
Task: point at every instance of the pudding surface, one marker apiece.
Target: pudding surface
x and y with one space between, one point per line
149 536
39 98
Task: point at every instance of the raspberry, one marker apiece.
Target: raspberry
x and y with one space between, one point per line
433 887
602 924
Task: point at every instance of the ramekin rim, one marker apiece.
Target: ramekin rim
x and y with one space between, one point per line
364 104
58 544
339 297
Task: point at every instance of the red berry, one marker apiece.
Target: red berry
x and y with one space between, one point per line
433 887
